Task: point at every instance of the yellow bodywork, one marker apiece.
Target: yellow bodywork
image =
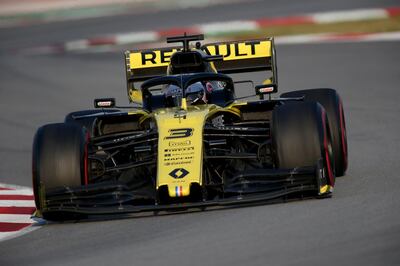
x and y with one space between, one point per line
135 95
180 144
241 50
144 59
180 147
325 189
160 58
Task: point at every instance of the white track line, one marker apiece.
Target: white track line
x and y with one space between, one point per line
25 192
384 36
229 26
336 38
136 37
16 218
17 203
349 15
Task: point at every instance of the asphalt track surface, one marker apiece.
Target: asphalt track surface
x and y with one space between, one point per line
360 225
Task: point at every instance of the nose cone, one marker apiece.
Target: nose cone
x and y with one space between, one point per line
180 149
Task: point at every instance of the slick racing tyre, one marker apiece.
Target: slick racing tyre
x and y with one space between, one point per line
58 158
332 103
300 137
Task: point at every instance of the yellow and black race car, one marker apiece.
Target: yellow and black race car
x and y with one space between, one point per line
189 143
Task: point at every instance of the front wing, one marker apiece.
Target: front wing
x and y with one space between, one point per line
97 200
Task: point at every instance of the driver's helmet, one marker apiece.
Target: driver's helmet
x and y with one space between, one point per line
172 91
172 94
198 93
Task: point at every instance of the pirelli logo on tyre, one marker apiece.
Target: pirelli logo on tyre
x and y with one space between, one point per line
179 133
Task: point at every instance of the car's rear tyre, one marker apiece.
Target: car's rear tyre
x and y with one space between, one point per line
332 103
300 137
58 158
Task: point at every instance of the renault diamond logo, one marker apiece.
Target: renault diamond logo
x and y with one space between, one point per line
179 173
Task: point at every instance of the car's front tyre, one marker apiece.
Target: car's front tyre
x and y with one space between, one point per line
301 137
331 101
58 158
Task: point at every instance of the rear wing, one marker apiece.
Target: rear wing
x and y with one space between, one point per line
243 56
238 57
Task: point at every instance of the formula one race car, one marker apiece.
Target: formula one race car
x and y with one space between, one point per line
191 144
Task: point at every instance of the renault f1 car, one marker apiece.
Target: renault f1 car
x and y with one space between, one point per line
189 143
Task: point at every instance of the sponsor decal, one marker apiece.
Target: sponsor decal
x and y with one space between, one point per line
240 50
178 191
151 58
179 143
179 133
180 155
229 50
104 104
179 149
267 90
179 173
